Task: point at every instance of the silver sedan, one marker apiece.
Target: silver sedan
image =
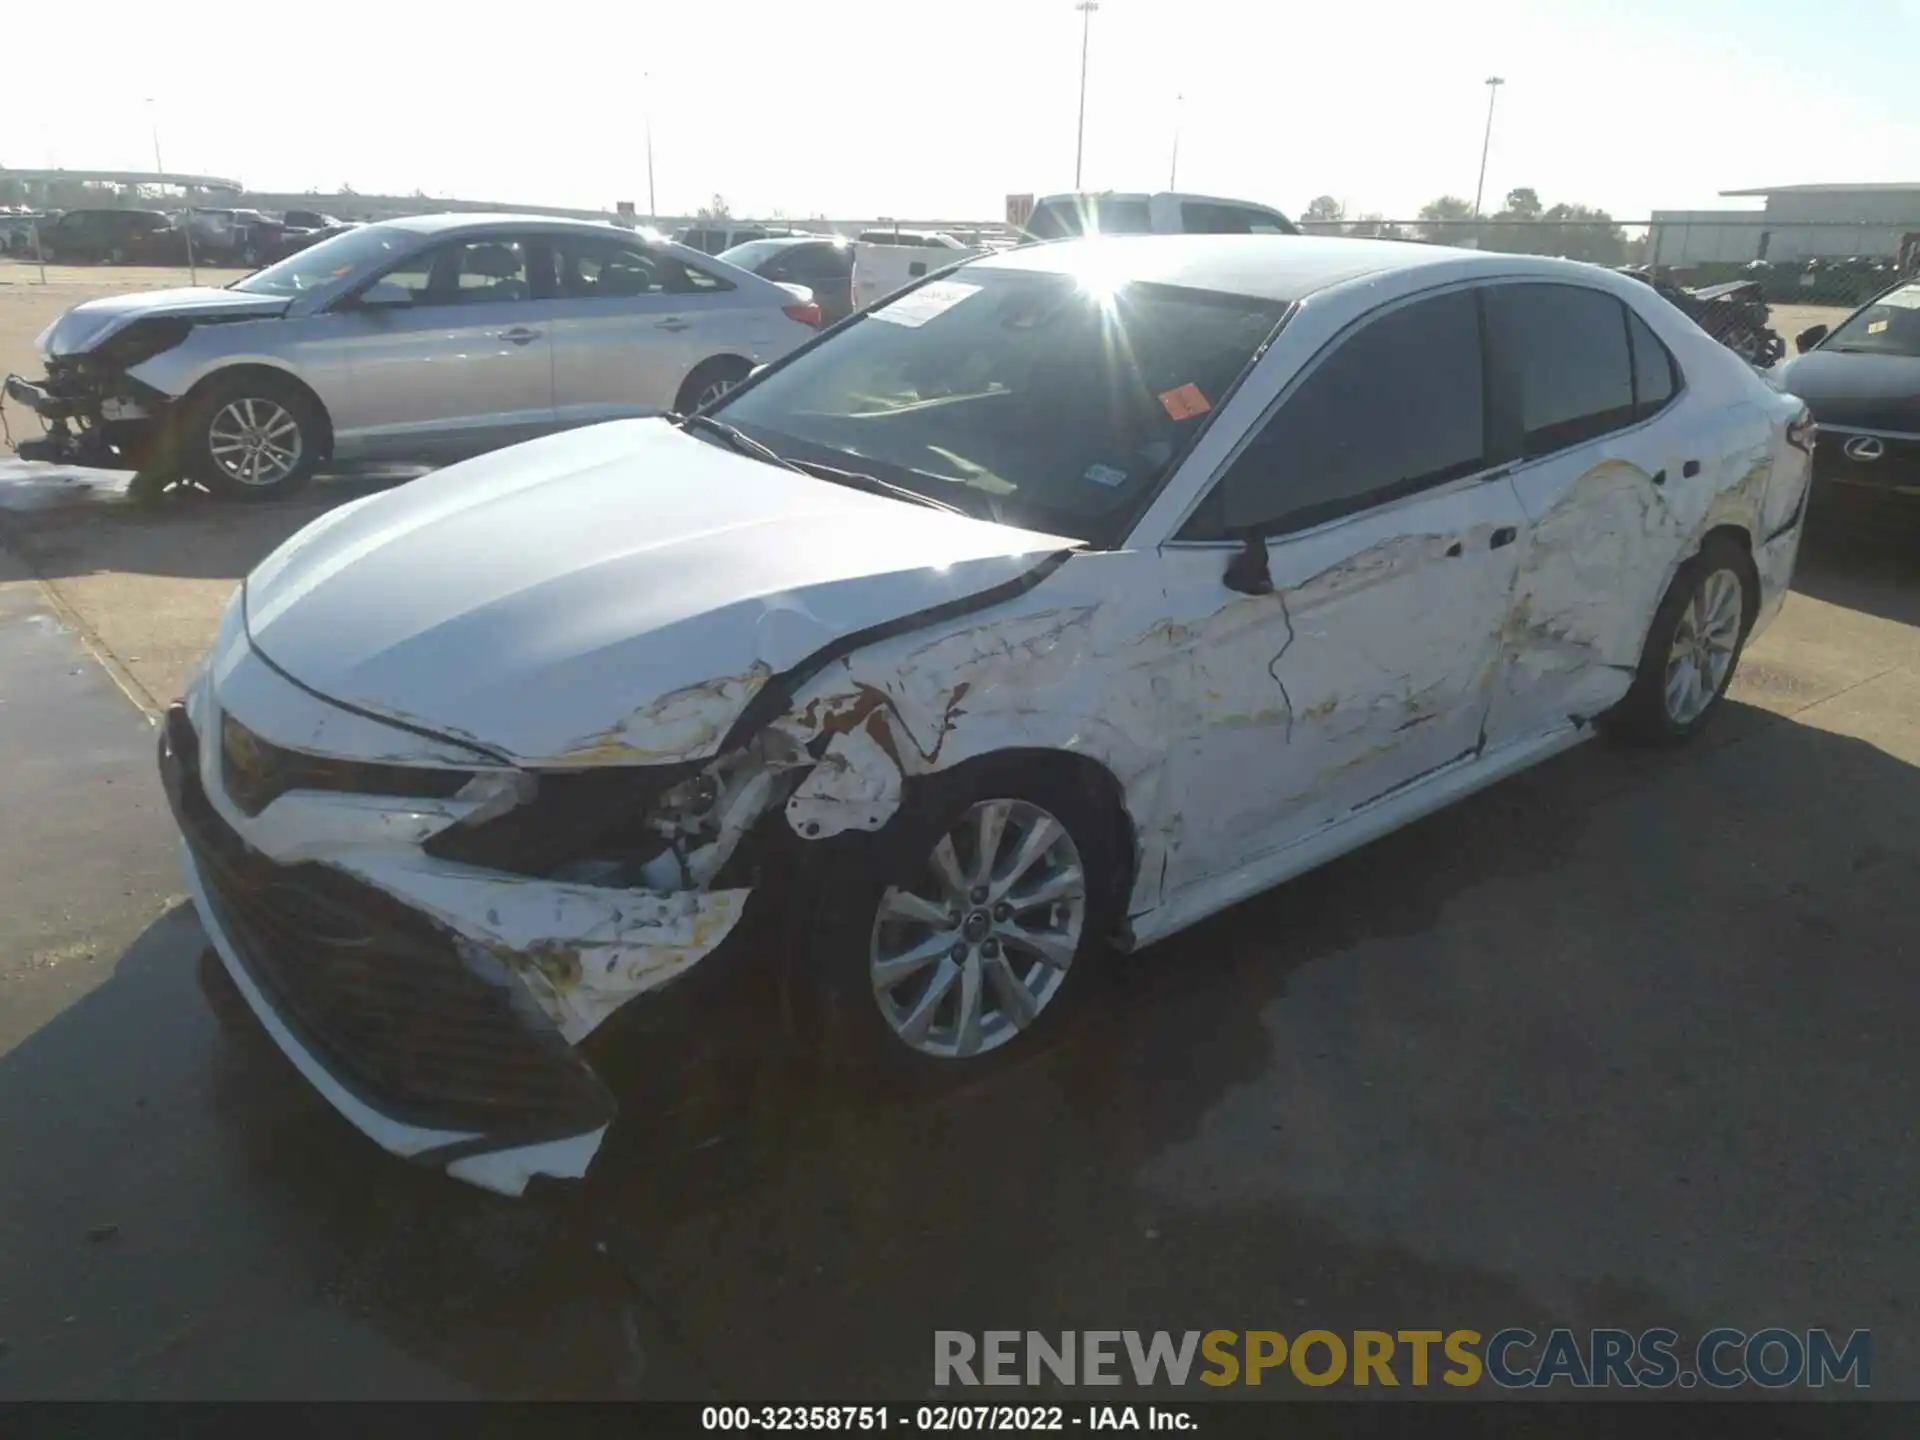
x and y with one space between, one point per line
424 339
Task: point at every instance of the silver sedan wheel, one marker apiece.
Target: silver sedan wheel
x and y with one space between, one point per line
255 442
1703 646
712 392
968 955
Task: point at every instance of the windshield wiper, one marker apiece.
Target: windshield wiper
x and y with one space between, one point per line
747 445
859 479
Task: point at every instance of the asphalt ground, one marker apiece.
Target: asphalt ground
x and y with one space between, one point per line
1621 1042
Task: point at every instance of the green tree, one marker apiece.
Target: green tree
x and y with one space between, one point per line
1323 212
1449 221
1523 204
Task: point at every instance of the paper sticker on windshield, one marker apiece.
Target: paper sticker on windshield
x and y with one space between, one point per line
1107 475
923 304
1877 326
1185 402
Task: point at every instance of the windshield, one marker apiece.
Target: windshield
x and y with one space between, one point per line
351 253
1888 326
1081 214
1029 398
755 253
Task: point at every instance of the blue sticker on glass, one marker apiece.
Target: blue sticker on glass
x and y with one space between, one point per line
1106 475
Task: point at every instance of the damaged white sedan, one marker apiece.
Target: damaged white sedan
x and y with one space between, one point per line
1057 603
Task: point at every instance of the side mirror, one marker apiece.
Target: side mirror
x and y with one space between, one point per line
384 295
1809 338
1247 572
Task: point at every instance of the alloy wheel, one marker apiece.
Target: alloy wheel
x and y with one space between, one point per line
1703 647
712 392
255 442
968 954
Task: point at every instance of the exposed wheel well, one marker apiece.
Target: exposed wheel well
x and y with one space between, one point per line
1103 788
240 374
1738 537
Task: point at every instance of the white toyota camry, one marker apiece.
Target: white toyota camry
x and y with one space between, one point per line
1055 604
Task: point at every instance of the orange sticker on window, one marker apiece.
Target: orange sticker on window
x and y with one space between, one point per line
1185 402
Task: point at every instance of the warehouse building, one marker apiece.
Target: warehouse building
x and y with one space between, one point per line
1798 222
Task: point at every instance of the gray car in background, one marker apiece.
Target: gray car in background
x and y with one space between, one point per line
423 339
821 263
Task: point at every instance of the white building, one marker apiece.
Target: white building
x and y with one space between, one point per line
1799 222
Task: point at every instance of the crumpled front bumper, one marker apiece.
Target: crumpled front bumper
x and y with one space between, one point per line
91 419
436 1006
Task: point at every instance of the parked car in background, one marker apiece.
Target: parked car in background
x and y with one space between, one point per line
1862 381
292 242
422 339
308 220
1054 605
714 237
18 227
114 237
239 237
921 239
1165 213
881 268
823 265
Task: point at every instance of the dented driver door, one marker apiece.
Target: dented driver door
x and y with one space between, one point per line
1357 658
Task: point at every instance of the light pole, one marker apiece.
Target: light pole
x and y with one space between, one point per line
160 168
653 214
1494 82
1086 9
1173 170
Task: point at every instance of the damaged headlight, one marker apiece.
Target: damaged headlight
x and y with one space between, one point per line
139 342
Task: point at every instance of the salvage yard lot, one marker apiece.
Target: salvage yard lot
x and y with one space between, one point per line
1624 1041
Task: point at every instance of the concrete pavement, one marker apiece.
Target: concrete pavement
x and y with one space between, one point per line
1624 1041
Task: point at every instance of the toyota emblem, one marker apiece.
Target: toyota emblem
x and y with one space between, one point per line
1866 448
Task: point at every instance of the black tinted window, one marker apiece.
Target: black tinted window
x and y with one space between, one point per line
1199 217
1653 379
819 262
1565 350
1396 407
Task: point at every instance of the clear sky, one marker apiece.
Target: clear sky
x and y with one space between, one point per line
939 108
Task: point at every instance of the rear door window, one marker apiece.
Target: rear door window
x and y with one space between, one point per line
1205 217
1563 350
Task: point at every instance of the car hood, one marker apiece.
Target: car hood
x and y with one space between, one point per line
608 595
1868 392
84 326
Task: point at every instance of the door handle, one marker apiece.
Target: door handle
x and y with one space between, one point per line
1504 536
673 323
520 335
1690 469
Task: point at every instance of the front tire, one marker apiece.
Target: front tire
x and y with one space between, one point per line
1693 647
254 437
970 924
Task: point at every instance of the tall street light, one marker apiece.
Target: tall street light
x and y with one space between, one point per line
653 213
1494 82
1086 9
160 168
1173 170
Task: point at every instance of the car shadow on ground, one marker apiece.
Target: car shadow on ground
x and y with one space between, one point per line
1619 1042
1870 567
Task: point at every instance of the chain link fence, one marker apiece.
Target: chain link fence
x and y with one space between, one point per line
1752 283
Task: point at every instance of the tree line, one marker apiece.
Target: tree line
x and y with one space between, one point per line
1522 226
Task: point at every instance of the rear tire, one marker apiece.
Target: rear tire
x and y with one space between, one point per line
1693 647
710 380
251 437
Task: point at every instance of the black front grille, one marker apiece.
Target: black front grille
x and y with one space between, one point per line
380 994
1898 462
255 772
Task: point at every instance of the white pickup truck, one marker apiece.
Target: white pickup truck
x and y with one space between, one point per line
886 260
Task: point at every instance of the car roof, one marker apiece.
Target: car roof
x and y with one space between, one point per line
1267 267
476 219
